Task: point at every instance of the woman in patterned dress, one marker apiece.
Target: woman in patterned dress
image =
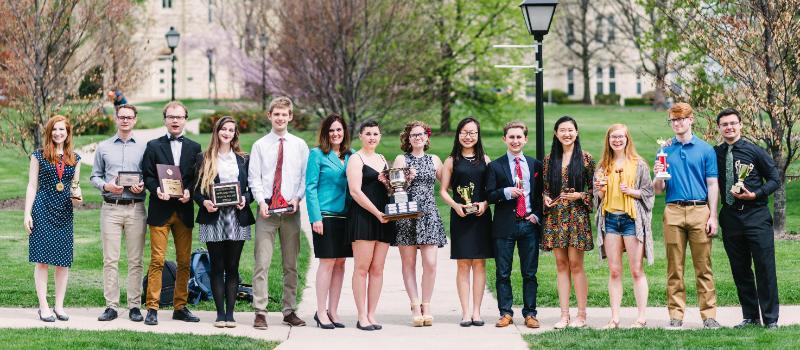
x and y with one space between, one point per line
425 233
567 232
223 229
52 192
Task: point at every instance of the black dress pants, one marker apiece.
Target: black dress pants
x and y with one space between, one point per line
748 239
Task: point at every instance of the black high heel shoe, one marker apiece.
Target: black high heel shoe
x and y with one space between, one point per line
50 318
335 324
61 317
365 328
323 325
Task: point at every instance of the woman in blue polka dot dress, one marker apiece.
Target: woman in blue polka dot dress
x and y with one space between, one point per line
48 212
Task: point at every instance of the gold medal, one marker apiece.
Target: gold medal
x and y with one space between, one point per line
59 186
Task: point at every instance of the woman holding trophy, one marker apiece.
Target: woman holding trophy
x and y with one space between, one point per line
426 232
52 192
221 192
464 172
567 232
623 198
368 228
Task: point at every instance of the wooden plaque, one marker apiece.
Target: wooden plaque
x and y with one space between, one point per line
225 194
169 176
129 178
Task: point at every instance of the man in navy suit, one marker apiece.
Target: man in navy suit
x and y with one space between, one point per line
514 185
167 214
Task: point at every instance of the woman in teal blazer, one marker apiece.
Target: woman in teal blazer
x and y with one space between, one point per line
327 201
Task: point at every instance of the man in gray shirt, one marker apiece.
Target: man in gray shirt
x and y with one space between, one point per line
122 211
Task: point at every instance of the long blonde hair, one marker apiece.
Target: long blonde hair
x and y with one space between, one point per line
607 160
208 170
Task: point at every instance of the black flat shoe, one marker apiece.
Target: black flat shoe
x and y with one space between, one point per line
108 315
61 317
152 317
335 324
50 318
377 326
323 325
478 323
465 323
365 328
135 315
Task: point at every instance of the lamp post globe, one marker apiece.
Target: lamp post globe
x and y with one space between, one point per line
538 15
173 39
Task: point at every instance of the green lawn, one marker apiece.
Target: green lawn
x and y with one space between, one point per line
725 338
49 338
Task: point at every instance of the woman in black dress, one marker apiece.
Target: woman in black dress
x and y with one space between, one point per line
368 228
470 234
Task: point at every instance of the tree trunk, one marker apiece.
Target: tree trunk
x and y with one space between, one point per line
587 91
446 102
779 199
660 97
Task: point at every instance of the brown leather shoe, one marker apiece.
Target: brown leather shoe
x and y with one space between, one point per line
504 321
531 322
294 321
260 322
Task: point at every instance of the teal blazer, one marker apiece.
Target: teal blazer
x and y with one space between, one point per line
326 184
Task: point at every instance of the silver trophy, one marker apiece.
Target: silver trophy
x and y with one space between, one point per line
399 207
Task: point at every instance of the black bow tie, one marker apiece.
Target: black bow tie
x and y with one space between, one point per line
173 138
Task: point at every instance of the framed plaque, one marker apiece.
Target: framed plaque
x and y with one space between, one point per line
169 176
128 178
225 194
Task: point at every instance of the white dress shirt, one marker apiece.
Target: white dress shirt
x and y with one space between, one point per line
175 146
227 167
264 159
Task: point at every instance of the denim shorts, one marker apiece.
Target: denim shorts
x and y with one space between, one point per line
620 224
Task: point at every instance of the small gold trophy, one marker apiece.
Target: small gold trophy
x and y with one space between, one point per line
466 193
600 177
742 170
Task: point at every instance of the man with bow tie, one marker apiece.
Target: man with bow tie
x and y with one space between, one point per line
170 213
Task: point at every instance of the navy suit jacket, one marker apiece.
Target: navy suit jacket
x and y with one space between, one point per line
158 151
505 211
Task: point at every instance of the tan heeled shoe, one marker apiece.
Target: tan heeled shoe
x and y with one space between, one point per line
416 320
427 319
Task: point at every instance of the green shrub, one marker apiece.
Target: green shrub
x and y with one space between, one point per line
248 121
556 96
606 99
92 83
649 97
635 101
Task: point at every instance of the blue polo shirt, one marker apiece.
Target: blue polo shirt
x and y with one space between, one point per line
689 164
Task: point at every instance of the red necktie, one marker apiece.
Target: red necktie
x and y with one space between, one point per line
277 198
520 199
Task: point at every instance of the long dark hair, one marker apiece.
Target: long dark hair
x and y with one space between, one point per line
324 139
457 148
576 168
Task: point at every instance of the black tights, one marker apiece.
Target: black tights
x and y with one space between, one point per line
224 257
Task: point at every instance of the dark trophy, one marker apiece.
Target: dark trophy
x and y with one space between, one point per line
399 207
169 176
225 194
129 178
278 205
466 193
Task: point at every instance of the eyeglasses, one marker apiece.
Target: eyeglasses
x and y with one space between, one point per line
468 133
417 135
677 120
175 117
125 117
725 125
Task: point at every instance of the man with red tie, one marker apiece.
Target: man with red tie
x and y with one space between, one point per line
277 175
514 186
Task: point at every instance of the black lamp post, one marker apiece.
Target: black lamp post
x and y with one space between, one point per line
264 39
538 17
173 38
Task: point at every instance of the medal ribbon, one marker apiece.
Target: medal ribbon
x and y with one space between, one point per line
60 169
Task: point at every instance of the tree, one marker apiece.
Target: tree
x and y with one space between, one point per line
646 25
580 29
353 57
755 46
43 39
462 34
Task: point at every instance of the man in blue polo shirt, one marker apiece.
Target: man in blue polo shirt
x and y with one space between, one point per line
689 216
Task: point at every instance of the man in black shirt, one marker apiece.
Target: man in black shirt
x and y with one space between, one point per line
746 221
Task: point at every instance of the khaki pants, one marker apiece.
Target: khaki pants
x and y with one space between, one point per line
682 224
288 226
114 220
159 238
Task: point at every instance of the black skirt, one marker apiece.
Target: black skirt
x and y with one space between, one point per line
334 242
